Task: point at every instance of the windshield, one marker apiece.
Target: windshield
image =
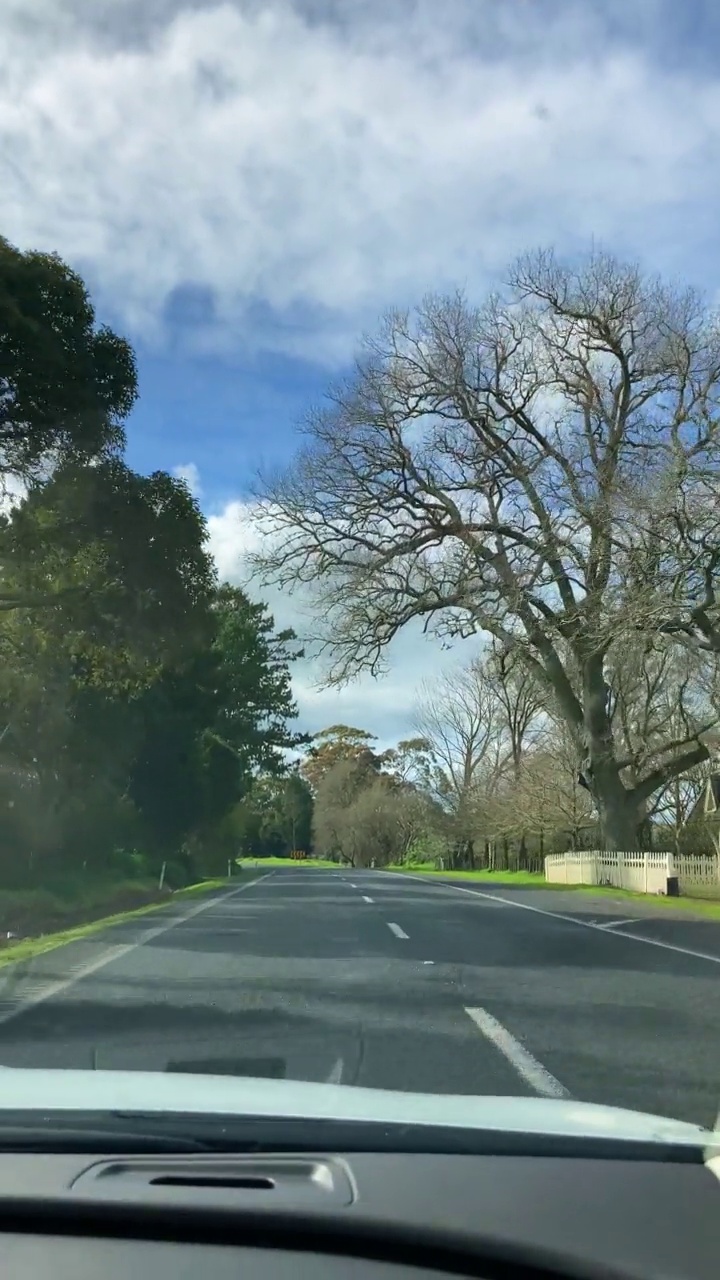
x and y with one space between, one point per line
360 542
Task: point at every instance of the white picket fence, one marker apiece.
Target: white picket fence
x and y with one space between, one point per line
645 872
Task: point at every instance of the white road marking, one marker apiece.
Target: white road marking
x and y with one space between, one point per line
527 1066
615 924
353 886
428 961
557 915
366 899
336 1072
395 928
41 992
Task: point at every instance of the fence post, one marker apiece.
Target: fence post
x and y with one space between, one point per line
162 875
645 861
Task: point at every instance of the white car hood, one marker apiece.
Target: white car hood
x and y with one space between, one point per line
42 1090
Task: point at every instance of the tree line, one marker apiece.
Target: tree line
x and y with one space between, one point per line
145 706
489 781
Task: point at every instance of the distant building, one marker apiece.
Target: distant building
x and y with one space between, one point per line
706 810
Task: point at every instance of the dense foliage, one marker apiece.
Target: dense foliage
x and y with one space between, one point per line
140 700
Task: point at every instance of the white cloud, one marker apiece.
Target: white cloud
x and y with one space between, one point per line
385 705
12 492
191 475
233 537
308 172
278 171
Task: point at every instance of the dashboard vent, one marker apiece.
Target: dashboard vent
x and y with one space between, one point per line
247 1183
293 1180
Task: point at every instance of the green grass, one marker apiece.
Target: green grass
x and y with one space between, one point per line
219 882
27 948
701 906
30 947
286 862
536 880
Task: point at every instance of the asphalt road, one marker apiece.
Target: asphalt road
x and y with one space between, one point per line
392 982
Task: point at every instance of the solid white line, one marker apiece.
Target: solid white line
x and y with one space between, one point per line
399 933
51 989
527 1066
366 899
557 915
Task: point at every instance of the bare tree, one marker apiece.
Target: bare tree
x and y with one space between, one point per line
548 799
459 717
522 705
362 816
477 720
337 791
542 469
522 710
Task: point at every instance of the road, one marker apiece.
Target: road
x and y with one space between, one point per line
393 982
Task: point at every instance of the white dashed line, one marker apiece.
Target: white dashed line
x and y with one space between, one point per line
395 928
366 899
526 1066
615 924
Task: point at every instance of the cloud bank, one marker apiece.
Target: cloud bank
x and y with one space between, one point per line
273 174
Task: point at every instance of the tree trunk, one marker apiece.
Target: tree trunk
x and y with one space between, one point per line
523 855
618 821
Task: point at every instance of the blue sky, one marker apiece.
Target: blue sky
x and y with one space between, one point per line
247 185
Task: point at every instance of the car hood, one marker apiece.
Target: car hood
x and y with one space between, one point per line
105 1091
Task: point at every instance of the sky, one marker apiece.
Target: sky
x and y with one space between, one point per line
246 186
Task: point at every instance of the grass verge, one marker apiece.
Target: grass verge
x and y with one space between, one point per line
259 863
535 880
699 906
220 882
28 948
531 879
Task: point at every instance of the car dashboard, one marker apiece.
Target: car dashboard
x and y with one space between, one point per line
347 1214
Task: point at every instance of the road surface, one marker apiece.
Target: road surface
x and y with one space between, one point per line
392 982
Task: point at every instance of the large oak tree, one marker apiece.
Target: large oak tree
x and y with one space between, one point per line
542 469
